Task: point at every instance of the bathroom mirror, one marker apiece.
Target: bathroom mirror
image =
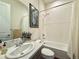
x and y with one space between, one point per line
25 23
5 21
13 19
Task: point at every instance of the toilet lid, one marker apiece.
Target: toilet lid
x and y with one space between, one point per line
47 52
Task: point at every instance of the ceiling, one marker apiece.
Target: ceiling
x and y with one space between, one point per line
49 1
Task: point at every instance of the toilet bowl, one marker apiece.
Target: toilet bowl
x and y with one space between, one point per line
47 53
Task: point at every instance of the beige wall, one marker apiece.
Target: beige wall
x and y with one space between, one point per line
33 2
41 17
36 32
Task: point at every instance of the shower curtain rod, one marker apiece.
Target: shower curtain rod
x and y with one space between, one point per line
57 6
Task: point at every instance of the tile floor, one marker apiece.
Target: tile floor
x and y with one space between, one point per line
54 58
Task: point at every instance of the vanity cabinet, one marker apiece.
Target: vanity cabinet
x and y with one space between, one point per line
37 55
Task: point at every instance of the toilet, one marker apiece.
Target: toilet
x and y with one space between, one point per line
47 53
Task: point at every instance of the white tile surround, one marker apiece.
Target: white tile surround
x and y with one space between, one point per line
57 24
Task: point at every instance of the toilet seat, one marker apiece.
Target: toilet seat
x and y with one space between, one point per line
47 52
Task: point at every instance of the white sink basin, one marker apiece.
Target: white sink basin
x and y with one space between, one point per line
20 51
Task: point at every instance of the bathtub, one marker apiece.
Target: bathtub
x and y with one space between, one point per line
58 46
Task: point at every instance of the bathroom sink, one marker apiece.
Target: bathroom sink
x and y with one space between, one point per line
20 51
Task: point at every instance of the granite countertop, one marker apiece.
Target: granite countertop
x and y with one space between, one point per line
37 45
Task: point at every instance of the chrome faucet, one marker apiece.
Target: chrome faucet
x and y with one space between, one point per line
18 42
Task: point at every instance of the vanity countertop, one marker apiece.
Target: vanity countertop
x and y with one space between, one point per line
37 45
2 57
